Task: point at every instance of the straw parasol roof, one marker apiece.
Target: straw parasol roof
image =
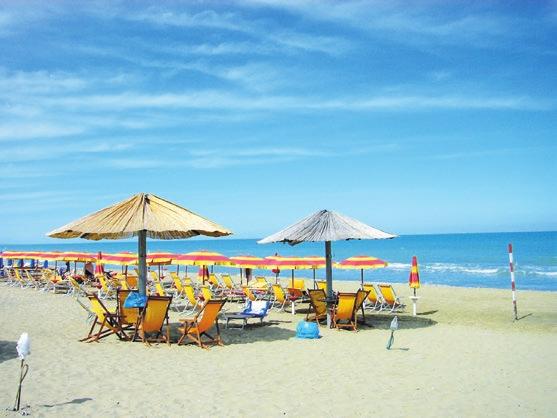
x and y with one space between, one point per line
143 212
326 225
142 215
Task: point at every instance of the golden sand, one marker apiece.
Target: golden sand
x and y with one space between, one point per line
463 355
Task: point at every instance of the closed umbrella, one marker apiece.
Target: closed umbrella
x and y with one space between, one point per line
142 215
414 279
361 262
326 226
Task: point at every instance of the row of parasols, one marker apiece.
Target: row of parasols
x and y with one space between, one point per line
203 259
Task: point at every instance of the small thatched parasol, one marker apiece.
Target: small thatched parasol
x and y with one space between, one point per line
326 226
142 215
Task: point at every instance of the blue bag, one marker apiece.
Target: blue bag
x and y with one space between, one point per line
306 329
135 300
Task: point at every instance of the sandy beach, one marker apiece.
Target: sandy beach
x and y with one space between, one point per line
462 356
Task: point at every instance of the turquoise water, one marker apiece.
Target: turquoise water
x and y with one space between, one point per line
469 260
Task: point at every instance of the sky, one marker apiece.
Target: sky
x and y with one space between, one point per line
414 117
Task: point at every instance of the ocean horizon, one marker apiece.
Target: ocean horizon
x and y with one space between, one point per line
462 259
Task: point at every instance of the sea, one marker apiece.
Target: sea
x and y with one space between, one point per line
467 260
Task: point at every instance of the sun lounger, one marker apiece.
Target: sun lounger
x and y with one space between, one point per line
257 309
343 314
318 305
280 297
200 325
152 320
390 299
106 320
374 300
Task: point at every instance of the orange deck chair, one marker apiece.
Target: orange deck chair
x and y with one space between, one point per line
318 305
343 315
200 325
106 320
153 319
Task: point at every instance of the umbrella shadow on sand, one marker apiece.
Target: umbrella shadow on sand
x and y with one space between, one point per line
404 322
7 350
73 401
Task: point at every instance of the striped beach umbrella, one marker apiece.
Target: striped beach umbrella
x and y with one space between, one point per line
248 262
414 279
361 262
120 259
295 263
202 259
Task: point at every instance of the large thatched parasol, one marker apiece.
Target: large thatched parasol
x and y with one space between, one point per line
327 226
143 215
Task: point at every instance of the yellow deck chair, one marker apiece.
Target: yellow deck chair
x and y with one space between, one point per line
322 284
260 283
193 303
106 320
106 290
374 300
298 284
159 290
200 325
127 317
206 293
343 315
152 320
154 276
19 279
318 305
361 296
390 298
228 283
132 281
213 281
30 279
75 289
177 284
124 285
280 298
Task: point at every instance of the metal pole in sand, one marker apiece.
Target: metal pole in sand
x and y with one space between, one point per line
513 286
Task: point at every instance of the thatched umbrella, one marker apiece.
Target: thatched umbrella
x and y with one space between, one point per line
327 226
142 215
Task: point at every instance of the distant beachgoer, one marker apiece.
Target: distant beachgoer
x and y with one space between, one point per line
89 270
248 274
68 267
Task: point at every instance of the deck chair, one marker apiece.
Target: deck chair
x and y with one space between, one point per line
106 320
257 309
390 298
231 290
321 284
318 306
33 282
374 301
127 317
343 314
159 290
206 293
106 290
361 296
75 288
200 325
179 291
261 283
298 284
152 320
254 294
280 297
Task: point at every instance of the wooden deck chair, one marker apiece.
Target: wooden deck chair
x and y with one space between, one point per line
390 298
75 288
127 317
343 314
152 320
261 283
200 325
318 305
20 281
33 282
231 290
298 284
179 291
154 276
206 293
374 301
106 320
254 293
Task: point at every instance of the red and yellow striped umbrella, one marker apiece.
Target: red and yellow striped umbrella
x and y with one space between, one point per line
276 262
248 261
120 259
160 258
201 258
77 256
414 279
361 262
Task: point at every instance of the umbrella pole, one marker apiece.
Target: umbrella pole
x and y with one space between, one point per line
241 276
314 282
292 284
142 262
329 277
362 277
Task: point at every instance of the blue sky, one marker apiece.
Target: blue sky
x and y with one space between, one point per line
415 117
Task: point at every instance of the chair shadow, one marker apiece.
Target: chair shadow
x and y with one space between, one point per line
73 401
379 321
427 312
7 350
254 331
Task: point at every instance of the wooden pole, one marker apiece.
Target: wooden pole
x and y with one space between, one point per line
513 286
329 278
142 262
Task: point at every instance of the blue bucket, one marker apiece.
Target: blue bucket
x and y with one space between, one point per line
306 329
